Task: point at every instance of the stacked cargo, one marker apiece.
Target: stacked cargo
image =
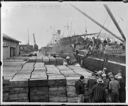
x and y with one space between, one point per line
9 70
71 93
38 84
32 59
56 83
86 73
71 78
39 59
52 60
45 59
19 84
59 61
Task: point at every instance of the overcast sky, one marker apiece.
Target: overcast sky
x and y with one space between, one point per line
43 18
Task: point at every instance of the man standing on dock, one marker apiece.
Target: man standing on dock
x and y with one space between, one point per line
79 85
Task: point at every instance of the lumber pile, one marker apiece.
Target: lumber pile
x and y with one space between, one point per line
41 79
38 84
9 71
18 85
57 84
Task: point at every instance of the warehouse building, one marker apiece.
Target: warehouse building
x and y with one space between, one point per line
10 47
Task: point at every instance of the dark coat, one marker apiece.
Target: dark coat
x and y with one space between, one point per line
98 93
79 85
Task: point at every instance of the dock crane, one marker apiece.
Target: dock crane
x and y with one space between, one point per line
122 40
114 21
35 45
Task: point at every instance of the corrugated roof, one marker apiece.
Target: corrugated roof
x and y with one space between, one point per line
9 38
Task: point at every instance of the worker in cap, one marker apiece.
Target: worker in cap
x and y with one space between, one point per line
103 75
99 80
104 70
114 87
68 59
98 91
110 74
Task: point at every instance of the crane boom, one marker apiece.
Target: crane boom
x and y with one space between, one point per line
114 21
97 23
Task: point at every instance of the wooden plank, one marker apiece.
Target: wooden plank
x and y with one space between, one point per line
72 99
5 97
19 82
15 90
39 75
39 65
51 69
38 90
56 80
19 96
38 83
57 99
57 91
71 80
21 76
38 94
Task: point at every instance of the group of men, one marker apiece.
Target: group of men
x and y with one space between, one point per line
101 87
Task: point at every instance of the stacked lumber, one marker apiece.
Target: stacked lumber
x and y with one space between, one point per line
71 94
38 84
9 70
71 78
57 85
52 69
32 59
46 59
39 59
67 72
19 88
79 70
52 60
19 84
59 61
